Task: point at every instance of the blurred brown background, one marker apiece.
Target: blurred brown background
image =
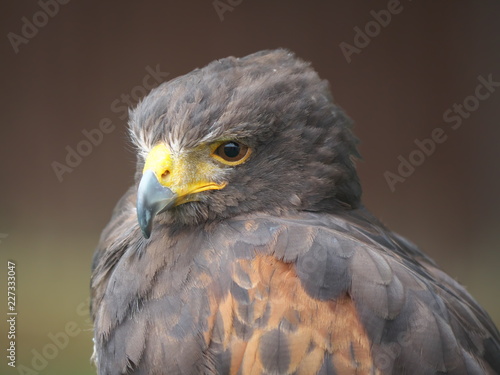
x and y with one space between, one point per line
65 79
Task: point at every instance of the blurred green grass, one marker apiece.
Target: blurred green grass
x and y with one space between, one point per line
52 291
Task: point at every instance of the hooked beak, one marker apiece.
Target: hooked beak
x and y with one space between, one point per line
152 198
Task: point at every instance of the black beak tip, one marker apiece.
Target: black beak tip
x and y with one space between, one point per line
144 218
146 233
145 222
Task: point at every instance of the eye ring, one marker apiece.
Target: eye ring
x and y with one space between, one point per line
231 152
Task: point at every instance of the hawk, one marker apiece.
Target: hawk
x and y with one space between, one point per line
244 248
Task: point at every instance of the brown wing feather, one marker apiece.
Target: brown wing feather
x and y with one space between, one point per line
306 294
417 319
287 330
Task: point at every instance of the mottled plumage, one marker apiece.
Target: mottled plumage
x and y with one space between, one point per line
277 268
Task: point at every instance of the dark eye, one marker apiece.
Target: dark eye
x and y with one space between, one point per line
232 152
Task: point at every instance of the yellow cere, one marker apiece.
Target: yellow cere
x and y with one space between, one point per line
158 160
185 173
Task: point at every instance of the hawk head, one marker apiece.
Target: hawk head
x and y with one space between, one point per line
258 133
